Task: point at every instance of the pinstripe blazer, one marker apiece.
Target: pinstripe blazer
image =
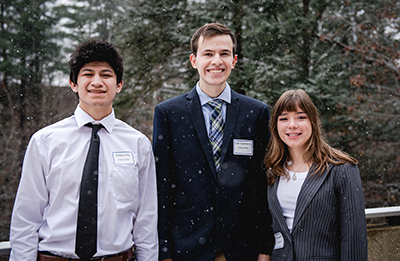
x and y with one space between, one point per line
329 221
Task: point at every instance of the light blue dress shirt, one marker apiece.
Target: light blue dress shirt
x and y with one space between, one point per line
206 108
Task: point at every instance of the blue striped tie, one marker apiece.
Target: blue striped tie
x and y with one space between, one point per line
216 131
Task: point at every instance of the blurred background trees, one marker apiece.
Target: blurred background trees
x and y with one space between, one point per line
345 54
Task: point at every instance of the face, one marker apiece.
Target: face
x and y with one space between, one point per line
294 128
96 87
214 61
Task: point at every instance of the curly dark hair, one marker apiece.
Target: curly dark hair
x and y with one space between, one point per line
95 50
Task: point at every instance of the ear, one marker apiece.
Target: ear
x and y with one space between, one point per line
119 86
235 58
74 87
193 60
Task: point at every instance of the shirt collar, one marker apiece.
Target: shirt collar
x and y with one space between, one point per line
204 98
82 118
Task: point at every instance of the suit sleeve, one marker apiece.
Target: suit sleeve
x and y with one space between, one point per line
352 214
266 237
161 147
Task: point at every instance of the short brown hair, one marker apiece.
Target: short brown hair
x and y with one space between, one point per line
210 30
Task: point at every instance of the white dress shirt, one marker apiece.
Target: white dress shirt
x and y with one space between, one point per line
46 206
288 192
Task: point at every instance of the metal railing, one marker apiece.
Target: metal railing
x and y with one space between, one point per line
5 248
382 212
392 215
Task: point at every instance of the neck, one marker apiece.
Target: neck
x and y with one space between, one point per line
296 156
297 162
97 113
212 90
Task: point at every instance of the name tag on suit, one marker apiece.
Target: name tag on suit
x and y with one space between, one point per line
243 147
279 242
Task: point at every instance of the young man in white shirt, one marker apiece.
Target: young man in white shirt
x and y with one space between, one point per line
46 211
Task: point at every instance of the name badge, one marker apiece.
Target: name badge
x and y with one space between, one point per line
243 147
123 158
279 242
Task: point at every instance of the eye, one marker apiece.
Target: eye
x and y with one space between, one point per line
303 117
282 119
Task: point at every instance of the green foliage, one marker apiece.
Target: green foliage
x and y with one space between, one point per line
28 57
343 53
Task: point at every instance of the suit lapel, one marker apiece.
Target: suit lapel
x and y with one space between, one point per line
275 207
196 114
232 111
308 190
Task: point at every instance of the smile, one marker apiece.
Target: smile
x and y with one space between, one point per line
96 91
294 135
216 71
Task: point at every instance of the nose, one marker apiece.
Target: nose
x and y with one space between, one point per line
292 123
97 81
216 59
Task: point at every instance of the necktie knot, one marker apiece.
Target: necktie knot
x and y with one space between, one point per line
95 129
216 104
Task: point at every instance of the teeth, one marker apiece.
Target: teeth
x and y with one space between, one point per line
216 71
293 135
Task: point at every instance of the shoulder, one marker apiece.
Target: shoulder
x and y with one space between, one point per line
175 107
248 101
344 168
127 130
345 173
175 102
63 125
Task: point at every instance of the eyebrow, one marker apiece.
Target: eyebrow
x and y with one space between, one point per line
213 51
297 112
90 70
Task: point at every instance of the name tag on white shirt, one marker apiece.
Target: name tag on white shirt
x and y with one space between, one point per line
123 158
279 242
243 147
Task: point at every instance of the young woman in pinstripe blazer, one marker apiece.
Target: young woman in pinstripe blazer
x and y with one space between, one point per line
315 193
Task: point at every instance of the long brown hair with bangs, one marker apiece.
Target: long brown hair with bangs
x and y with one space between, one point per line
317 149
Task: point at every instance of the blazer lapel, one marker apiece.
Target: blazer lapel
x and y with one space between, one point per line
232 111
196 113
275 207
308 190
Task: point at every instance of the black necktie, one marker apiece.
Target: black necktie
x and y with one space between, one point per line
86 231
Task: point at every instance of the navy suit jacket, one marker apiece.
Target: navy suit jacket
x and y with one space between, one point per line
329 221
198 208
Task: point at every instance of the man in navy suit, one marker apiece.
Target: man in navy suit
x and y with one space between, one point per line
211 188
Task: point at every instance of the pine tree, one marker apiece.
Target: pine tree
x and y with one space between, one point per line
28 56
343 53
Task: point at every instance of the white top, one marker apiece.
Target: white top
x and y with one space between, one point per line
288 192
46 204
